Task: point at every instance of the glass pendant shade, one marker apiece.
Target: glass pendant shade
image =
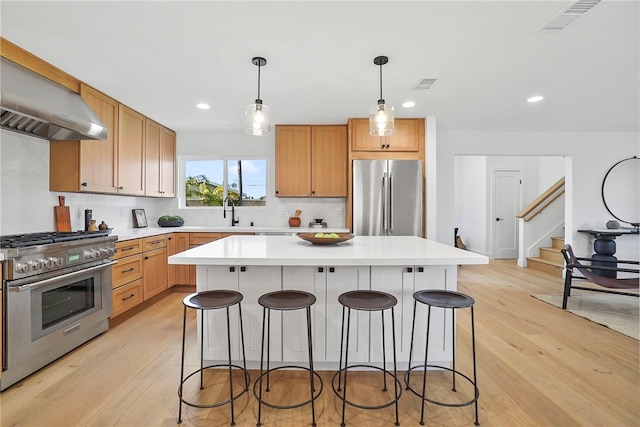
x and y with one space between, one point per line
257 119
381 120
381 116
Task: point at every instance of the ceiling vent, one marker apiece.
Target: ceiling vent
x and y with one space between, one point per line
426 84
569 15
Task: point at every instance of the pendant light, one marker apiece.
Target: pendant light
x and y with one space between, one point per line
381 116
257 119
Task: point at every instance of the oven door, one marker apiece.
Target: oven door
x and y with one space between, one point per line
49 318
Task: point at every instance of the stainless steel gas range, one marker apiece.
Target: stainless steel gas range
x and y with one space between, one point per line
56 296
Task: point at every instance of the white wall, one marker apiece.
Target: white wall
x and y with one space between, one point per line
589 156
278 210
26 204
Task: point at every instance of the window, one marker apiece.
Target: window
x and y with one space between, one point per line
210 182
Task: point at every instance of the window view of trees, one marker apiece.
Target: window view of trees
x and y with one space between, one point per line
243 181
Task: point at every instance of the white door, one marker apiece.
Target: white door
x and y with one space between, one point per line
507 186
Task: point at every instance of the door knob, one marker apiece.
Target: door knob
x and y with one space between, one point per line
499 219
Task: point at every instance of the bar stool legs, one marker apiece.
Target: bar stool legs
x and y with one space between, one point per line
211 300
446 300
366 301
284 301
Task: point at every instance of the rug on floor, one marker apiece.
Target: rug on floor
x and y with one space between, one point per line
617 312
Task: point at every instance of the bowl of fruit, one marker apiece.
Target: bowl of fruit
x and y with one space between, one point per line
170 221
325 238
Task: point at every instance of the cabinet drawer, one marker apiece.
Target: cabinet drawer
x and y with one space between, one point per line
126 270
202 238
126 297
155 242
128 247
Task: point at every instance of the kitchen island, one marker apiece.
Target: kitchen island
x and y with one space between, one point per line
254 265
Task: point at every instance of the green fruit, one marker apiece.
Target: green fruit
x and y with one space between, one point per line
334 236
320 235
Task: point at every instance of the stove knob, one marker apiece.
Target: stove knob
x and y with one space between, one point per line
54 262
46 263
35 265
111 252
22 268
90 254
104 253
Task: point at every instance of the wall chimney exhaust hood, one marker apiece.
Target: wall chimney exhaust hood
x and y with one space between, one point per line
34 105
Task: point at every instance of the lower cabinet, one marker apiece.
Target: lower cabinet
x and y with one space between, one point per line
126 297
178 274
288 329
154 272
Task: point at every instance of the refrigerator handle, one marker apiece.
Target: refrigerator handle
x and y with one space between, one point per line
390 205
384 203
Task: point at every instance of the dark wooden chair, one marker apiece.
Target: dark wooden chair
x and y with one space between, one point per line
611 285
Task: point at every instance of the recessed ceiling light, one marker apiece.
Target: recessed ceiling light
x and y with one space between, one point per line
536 98
203 106
408 104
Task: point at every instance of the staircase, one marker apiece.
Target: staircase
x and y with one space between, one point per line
550 259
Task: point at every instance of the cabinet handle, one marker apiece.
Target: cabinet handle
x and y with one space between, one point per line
121 188
243 269
313 191
127 270
84 184
146 257
169 238
420 269
129 248
320 269
332 270
277 191
156 242
387 146
129 297
232 269
409 270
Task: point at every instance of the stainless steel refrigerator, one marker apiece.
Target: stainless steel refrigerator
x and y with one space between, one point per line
387 197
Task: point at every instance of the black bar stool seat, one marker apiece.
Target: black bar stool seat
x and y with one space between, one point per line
285 300
372 301
213 300
445 300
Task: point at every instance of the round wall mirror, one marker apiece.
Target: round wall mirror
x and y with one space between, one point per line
621 191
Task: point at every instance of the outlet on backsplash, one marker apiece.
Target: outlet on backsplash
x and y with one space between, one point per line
339 213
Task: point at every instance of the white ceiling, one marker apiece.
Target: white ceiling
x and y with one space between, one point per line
162 58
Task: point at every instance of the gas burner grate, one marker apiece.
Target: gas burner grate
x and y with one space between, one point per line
45 238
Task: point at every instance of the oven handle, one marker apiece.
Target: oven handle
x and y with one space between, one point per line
45 282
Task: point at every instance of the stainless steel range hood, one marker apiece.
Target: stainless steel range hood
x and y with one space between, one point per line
36 106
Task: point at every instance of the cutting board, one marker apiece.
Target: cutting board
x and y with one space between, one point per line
63 218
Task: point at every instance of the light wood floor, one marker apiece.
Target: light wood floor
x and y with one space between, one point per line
538 366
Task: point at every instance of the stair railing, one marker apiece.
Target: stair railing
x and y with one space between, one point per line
530 236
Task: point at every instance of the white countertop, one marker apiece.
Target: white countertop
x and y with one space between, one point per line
361 250
136 233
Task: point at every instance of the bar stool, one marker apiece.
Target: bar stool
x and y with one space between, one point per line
454 301
365 300
213 300
285 300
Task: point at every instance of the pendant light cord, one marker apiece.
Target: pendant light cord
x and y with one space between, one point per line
380 81
258 80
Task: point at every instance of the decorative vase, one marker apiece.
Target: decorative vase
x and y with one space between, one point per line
93 226
613 225
294 221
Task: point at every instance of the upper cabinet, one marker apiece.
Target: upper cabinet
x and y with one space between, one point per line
160 153
408 135
311 161
131 158
88 165
137 158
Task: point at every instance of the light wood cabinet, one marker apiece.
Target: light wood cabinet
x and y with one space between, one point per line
408 135
154 272
127 276
160 153
131 132
1 317
311 161
178 274
88 165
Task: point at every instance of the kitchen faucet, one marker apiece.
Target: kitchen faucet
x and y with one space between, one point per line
225 203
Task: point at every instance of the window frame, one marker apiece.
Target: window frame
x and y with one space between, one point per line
182 179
